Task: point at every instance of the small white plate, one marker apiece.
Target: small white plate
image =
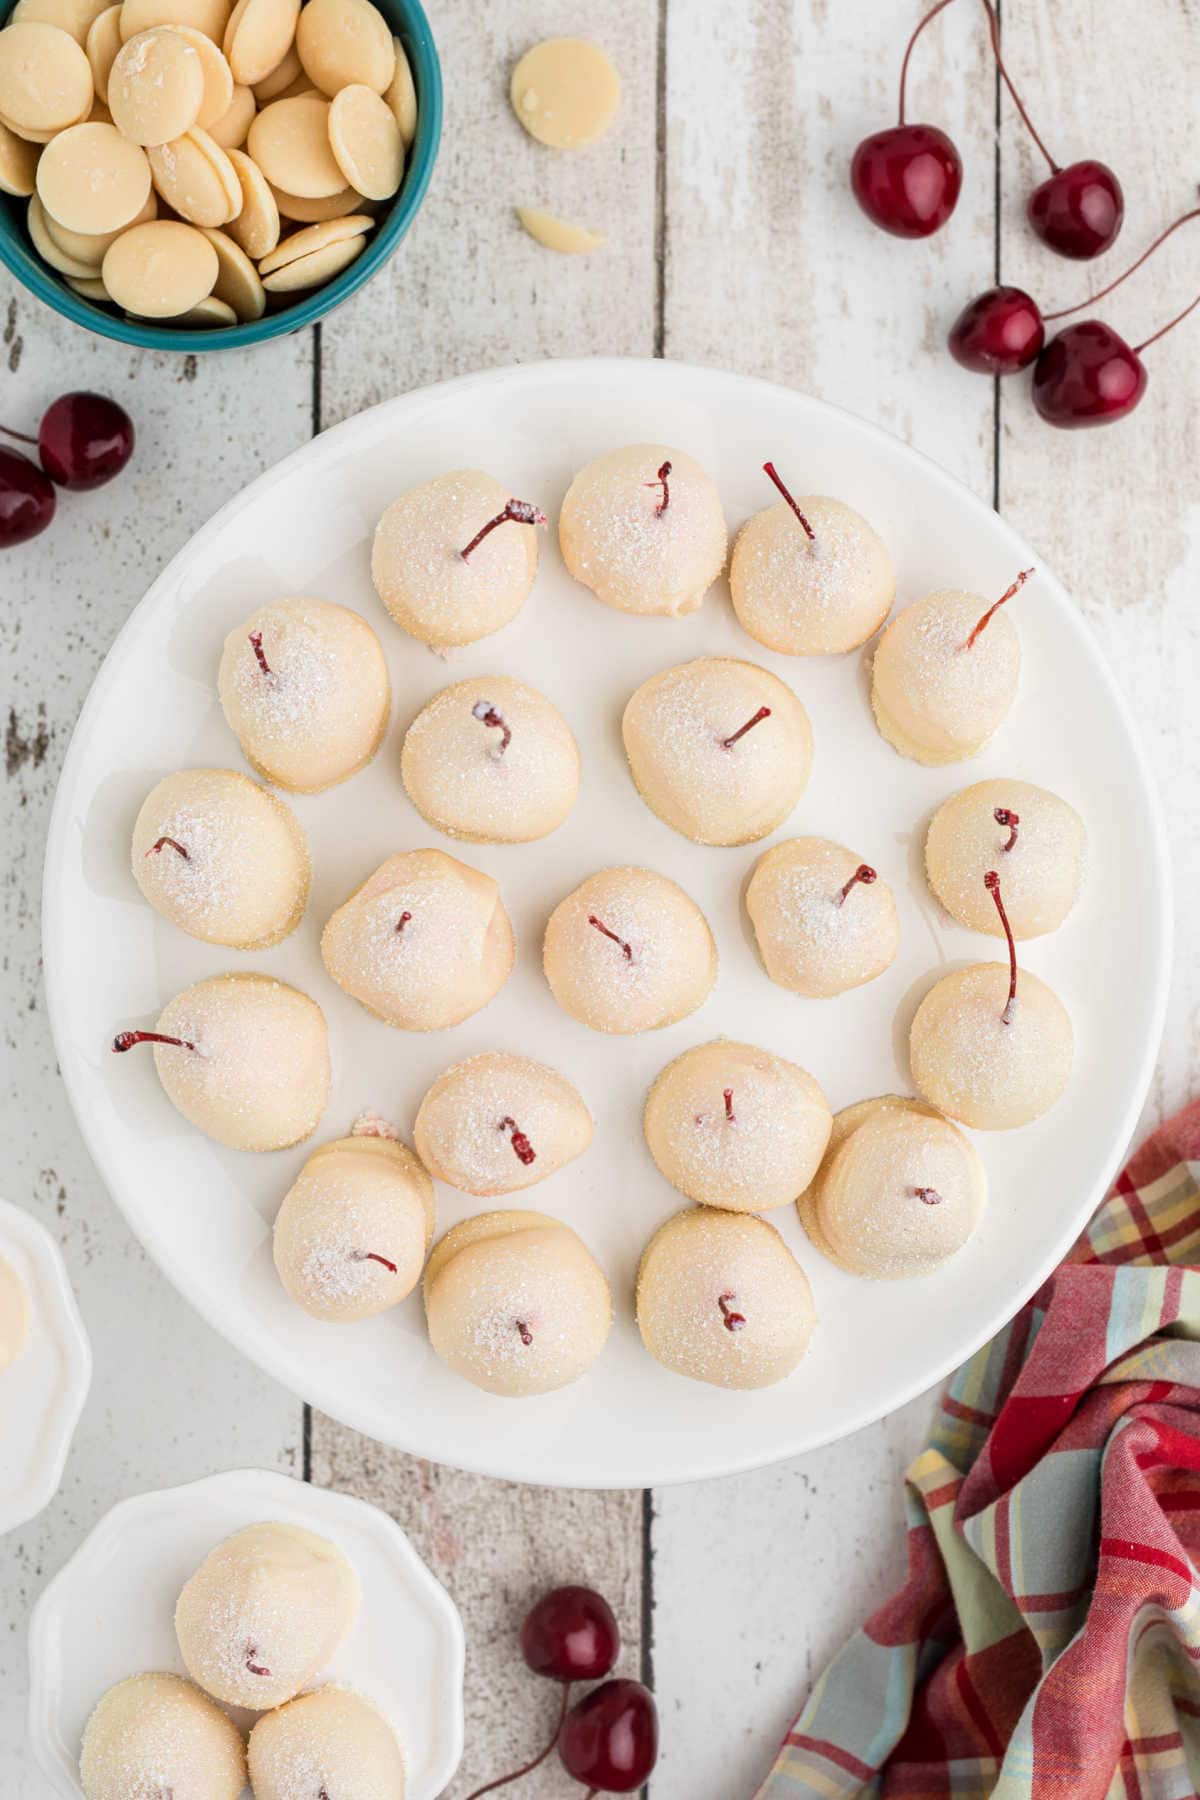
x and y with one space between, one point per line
109 1613
305 527
42 1394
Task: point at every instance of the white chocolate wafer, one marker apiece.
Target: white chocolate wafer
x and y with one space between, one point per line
160 270
237 285
91 179
196 178
18 164
256 227
401 96
345 41
366 142
45 78
156 88
315 269
259 36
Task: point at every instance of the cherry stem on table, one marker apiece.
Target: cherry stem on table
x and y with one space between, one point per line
983 623
991 882
22 437
772 473
994 33
1064 311
1170 326
520 512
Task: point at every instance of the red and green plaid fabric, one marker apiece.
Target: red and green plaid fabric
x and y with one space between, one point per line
1047 1640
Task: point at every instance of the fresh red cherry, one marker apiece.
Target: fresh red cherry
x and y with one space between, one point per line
1078 210
998 333
84 440
27 499
907 179
1087 375
609 1739
571 1634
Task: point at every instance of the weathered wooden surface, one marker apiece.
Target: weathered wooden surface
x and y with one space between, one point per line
732 240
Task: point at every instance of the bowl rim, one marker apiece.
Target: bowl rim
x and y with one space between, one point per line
48 286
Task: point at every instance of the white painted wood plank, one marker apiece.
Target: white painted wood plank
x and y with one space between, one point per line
470 290
771 269
170 1401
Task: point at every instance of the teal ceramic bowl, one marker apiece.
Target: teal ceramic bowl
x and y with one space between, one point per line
408 22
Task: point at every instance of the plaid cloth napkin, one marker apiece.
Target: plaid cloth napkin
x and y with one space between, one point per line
1047 1640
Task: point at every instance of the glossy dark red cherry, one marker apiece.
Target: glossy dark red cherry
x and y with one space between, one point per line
1087 375
571 1634
84 440
609 1739
907 179
1078 210
998 333
27 499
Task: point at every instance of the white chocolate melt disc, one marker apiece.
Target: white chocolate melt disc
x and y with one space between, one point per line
256 228
719 749
811 596
972 1064
75 17
516 1303
208 312
45 78
500 1122
434 591
155 1734
820 924
565 92
314 238
332 1737
556 234
230 129
309 700
281 77
344 42
491 760
736 1127
238 286
351 1235
160 270
218 78
1031 837
14 1315
264 1613
89 179
935 699
401 96
366 142
156 88
259 36
208 16
644 542
289 141
629 951
18 164
315 269
102 44
222 858
423 943
196 178
314 212
246 1060
89 288
48 250
89 248
901 1191
721 1298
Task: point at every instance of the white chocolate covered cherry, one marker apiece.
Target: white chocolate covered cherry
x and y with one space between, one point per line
643 528
500 1122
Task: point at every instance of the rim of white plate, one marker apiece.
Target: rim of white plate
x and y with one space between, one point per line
325 446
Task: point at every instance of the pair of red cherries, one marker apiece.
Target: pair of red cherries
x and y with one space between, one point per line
907 180
83 441
609 1739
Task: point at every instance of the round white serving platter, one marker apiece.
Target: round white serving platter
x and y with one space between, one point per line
109 1613
305 528
41 1394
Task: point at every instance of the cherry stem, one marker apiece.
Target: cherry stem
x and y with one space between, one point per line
664 471
372 1256
174 843
928 1196
403 920
991 882
729 1112
524 1332
251 1666
1170 326
487 714
524 1150
256 641
125 1040
769 469
864 874
1006 78
1004 815
1162 237
917 30
764 712
504 1780
601 926
520 512
22 437
982 624
734 1321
